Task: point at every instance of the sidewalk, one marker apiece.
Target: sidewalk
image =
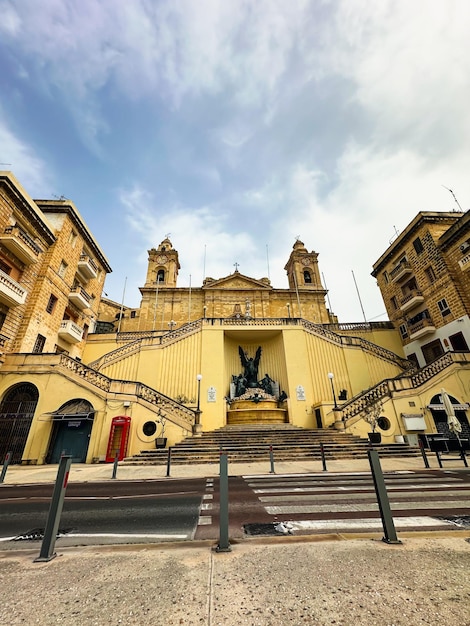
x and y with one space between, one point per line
320 580
19 474
360 582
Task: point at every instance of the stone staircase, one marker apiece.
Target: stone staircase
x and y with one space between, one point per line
250 443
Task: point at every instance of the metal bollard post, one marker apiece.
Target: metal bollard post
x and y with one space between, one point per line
223 545
168 463
115 465
6 463
382 498
323 458
271 458
53 519
423 454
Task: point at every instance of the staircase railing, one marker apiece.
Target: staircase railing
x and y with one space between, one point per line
132 388
357 404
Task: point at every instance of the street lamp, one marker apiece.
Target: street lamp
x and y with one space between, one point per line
331 376
197 428
171 324
288 310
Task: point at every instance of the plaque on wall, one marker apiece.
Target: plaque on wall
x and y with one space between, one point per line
211 395
300 392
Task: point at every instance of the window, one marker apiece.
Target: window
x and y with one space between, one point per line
431 276
133 314
443 307
307 277
51 304
73 238
39 344
394 303
458 342
4 267
2 319
62 269
418 246
160 276
385 277
403 331
432 351
149 429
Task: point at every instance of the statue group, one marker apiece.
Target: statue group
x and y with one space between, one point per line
249 378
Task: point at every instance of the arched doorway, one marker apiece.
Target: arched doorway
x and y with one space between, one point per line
440 416
16 414
71 431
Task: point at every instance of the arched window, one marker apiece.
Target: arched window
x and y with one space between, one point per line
307 277
161 276
16 414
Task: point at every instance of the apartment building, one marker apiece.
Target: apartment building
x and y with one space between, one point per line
424 280
52 273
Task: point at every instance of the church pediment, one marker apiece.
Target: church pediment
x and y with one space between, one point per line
237 281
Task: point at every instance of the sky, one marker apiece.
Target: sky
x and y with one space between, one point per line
236 126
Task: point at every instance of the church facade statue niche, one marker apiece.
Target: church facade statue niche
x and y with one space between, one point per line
246 385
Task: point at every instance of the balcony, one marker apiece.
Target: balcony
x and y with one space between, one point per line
400 272
411 300
80 298
424 327
20 244
87 268
70 332
11 292
465 263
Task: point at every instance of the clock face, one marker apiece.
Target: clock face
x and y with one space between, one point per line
161 258
306 261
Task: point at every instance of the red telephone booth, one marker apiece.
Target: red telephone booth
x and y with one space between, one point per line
118 438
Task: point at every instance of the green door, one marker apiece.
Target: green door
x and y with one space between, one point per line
71 438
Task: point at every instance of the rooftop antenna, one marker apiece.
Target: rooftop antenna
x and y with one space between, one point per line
359 296
267 259
397 232
167 236
453 195
9 164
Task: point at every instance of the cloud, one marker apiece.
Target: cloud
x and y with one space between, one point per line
20 158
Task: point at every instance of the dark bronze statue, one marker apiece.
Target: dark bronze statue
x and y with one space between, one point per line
250 366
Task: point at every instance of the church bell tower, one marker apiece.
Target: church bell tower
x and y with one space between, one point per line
163 265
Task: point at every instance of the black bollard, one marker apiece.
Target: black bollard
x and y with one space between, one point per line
423 454
224 544
390 535
53 519
271 458
115 465
323 458
6 463
168 463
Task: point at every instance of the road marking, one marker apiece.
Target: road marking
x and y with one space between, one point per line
349 489
129 535
368 523
465 493
208 496
337 508
204 520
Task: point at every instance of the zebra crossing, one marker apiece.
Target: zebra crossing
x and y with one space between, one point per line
334 503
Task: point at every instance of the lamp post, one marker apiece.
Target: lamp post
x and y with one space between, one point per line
288 310
331 376
197 428
171 324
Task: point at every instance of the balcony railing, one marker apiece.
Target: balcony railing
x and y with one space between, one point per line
465 263
423 327
80 298
401 270
411 300
70 332
87 267
11 292
20 244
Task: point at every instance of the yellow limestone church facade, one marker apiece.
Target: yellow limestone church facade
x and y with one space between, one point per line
234 350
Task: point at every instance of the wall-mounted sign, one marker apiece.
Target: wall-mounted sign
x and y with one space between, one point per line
211 394
300 392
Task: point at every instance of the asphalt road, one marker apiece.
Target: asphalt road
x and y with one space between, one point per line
186 509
